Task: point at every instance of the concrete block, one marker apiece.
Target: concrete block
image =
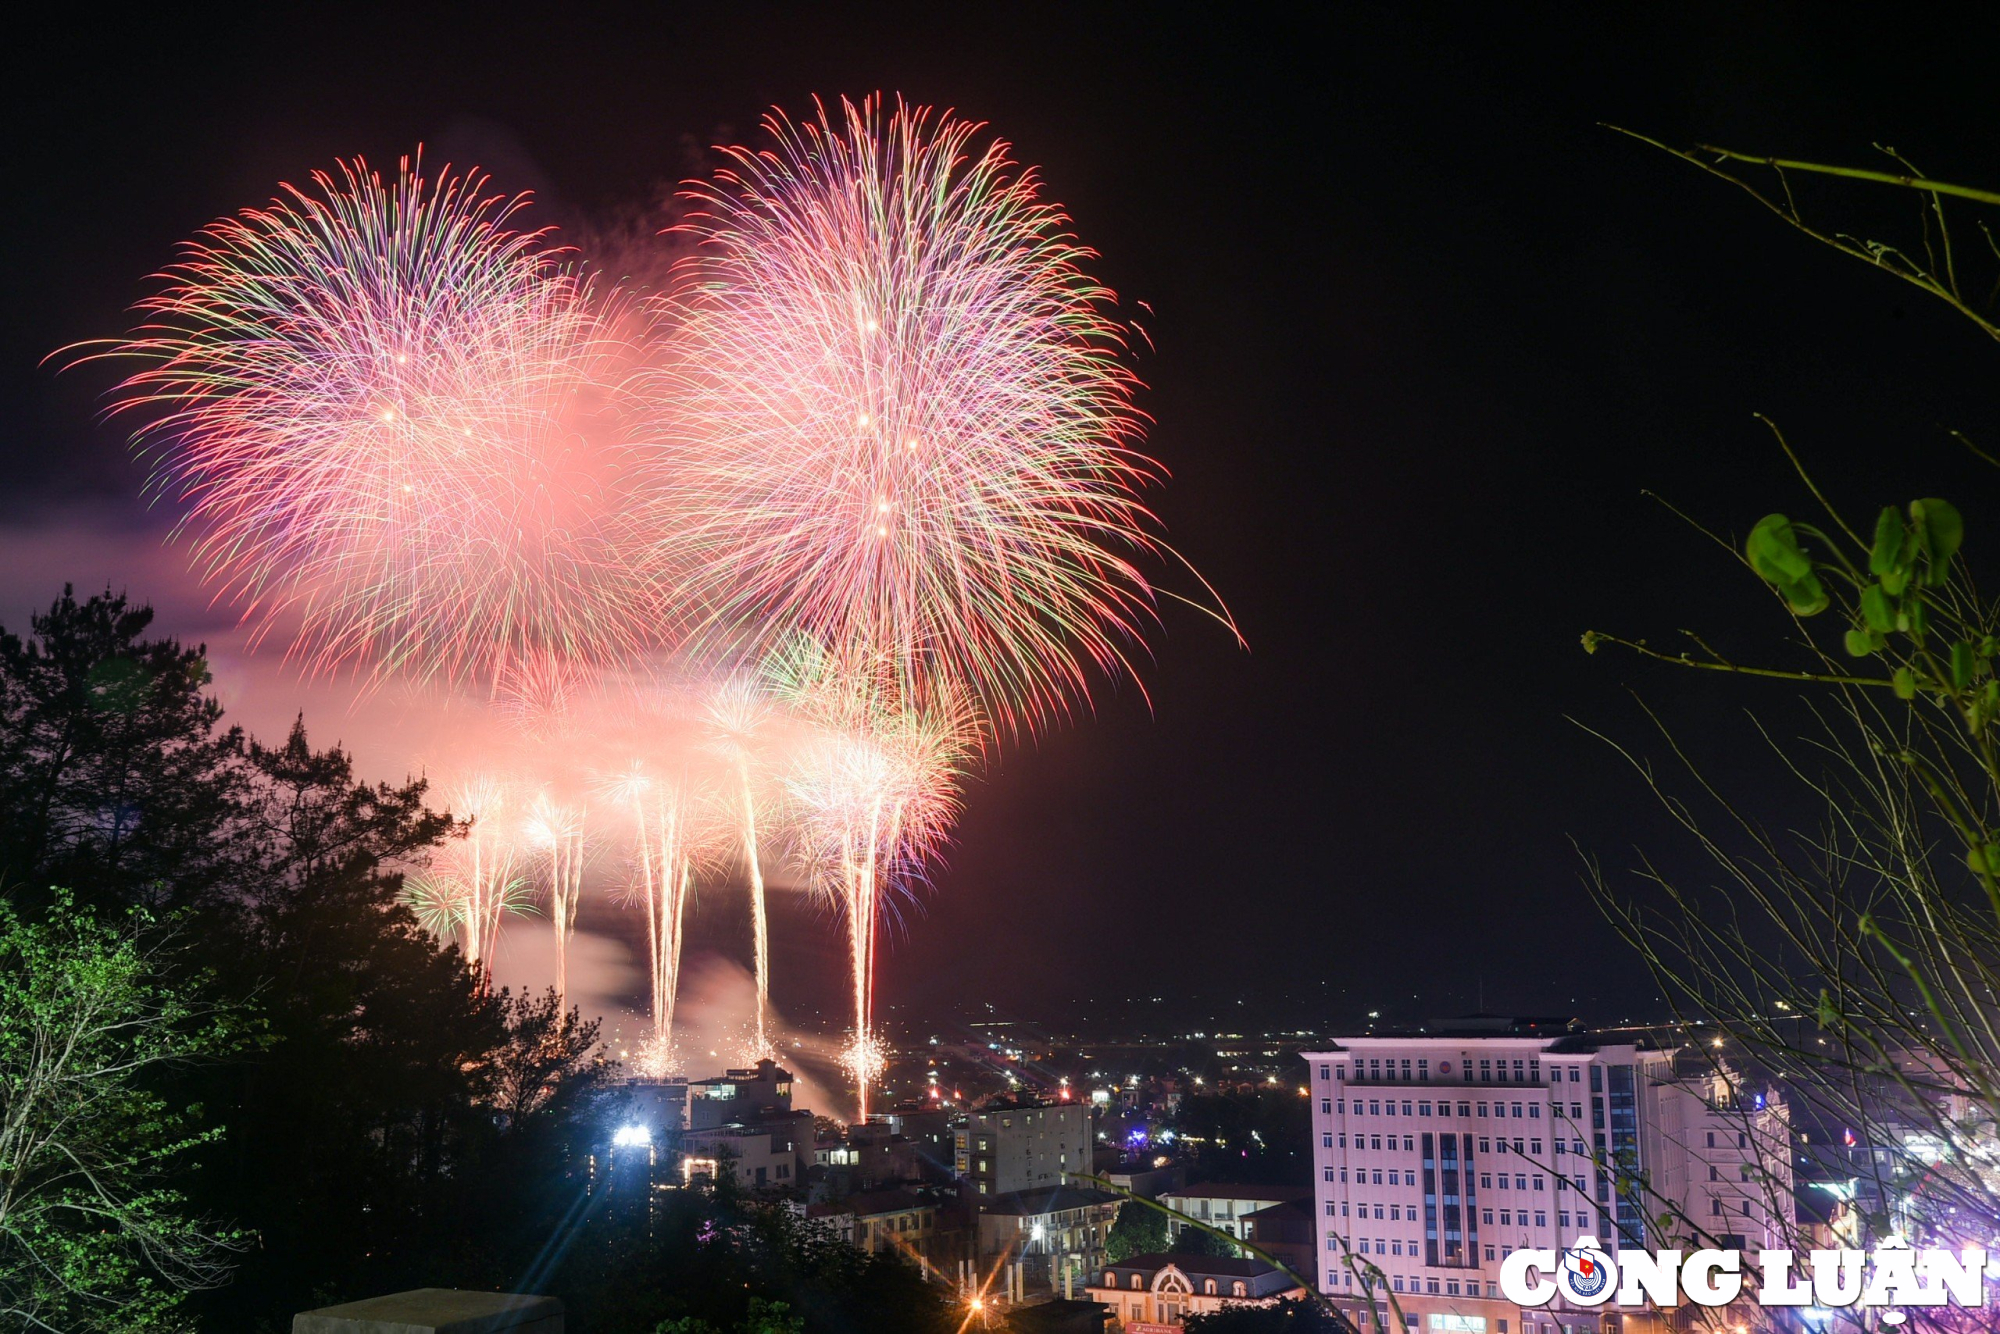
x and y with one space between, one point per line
436 1311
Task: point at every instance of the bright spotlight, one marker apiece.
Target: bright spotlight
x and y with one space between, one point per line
631 1137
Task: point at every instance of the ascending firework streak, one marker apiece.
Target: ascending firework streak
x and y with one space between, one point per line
738 710
875 793
558 830
899 420
477 886
667 852
398 425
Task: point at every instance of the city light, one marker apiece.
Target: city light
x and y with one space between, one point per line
632 1137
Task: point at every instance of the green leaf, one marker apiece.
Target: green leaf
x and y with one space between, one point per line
1963 664
1806 596
1773 551
1895 581
1859 645
1878 609
1892 540
1904 682
1941 530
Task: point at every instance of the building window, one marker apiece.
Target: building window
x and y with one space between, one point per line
1541 1218
1423 1109
1482 1109
1465 1109
1325 1072
1488 1220
1326 1106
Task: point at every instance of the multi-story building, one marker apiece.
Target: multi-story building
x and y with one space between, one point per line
766 1153
885 1220
1224 1205
1018 1146
1158 1292
739 1096
1438 1154
1724 1163
1055 1233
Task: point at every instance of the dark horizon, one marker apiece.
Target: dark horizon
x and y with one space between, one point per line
1425 332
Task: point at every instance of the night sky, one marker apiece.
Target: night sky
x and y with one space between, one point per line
1424 333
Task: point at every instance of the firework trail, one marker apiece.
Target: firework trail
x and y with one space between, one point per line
739 717
899 420
477 886
669 847
875 794
559 831
396 423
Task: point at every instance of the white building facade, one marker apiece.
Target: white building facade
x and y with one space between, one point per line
1436 1156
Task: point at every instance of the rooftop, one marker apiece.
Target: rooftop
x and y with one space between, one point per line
1049 1200
868 1204
1225 1190
1194 1266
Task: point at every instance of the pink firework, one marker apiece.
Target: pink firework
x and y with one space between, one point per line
396 421
900 423
873 794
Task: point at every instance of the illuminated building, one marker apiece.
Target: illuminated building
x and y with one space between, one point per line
1223 1204
1149 1292
1437 1154
1022 1146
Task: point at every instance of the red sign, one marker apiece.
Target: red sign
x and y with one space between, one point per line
1148 1327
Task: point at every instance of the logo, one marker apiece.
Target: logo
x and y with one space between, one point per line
1890 1276
1585 1274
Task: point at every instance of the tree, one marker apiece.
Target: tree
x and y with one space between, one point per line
116 776
1138 1230
1195 1241
1855 963
1287 1316
764 1317
93 1235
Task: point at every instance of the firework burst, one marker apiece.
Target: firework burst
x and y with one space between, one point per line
395 422
900 423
